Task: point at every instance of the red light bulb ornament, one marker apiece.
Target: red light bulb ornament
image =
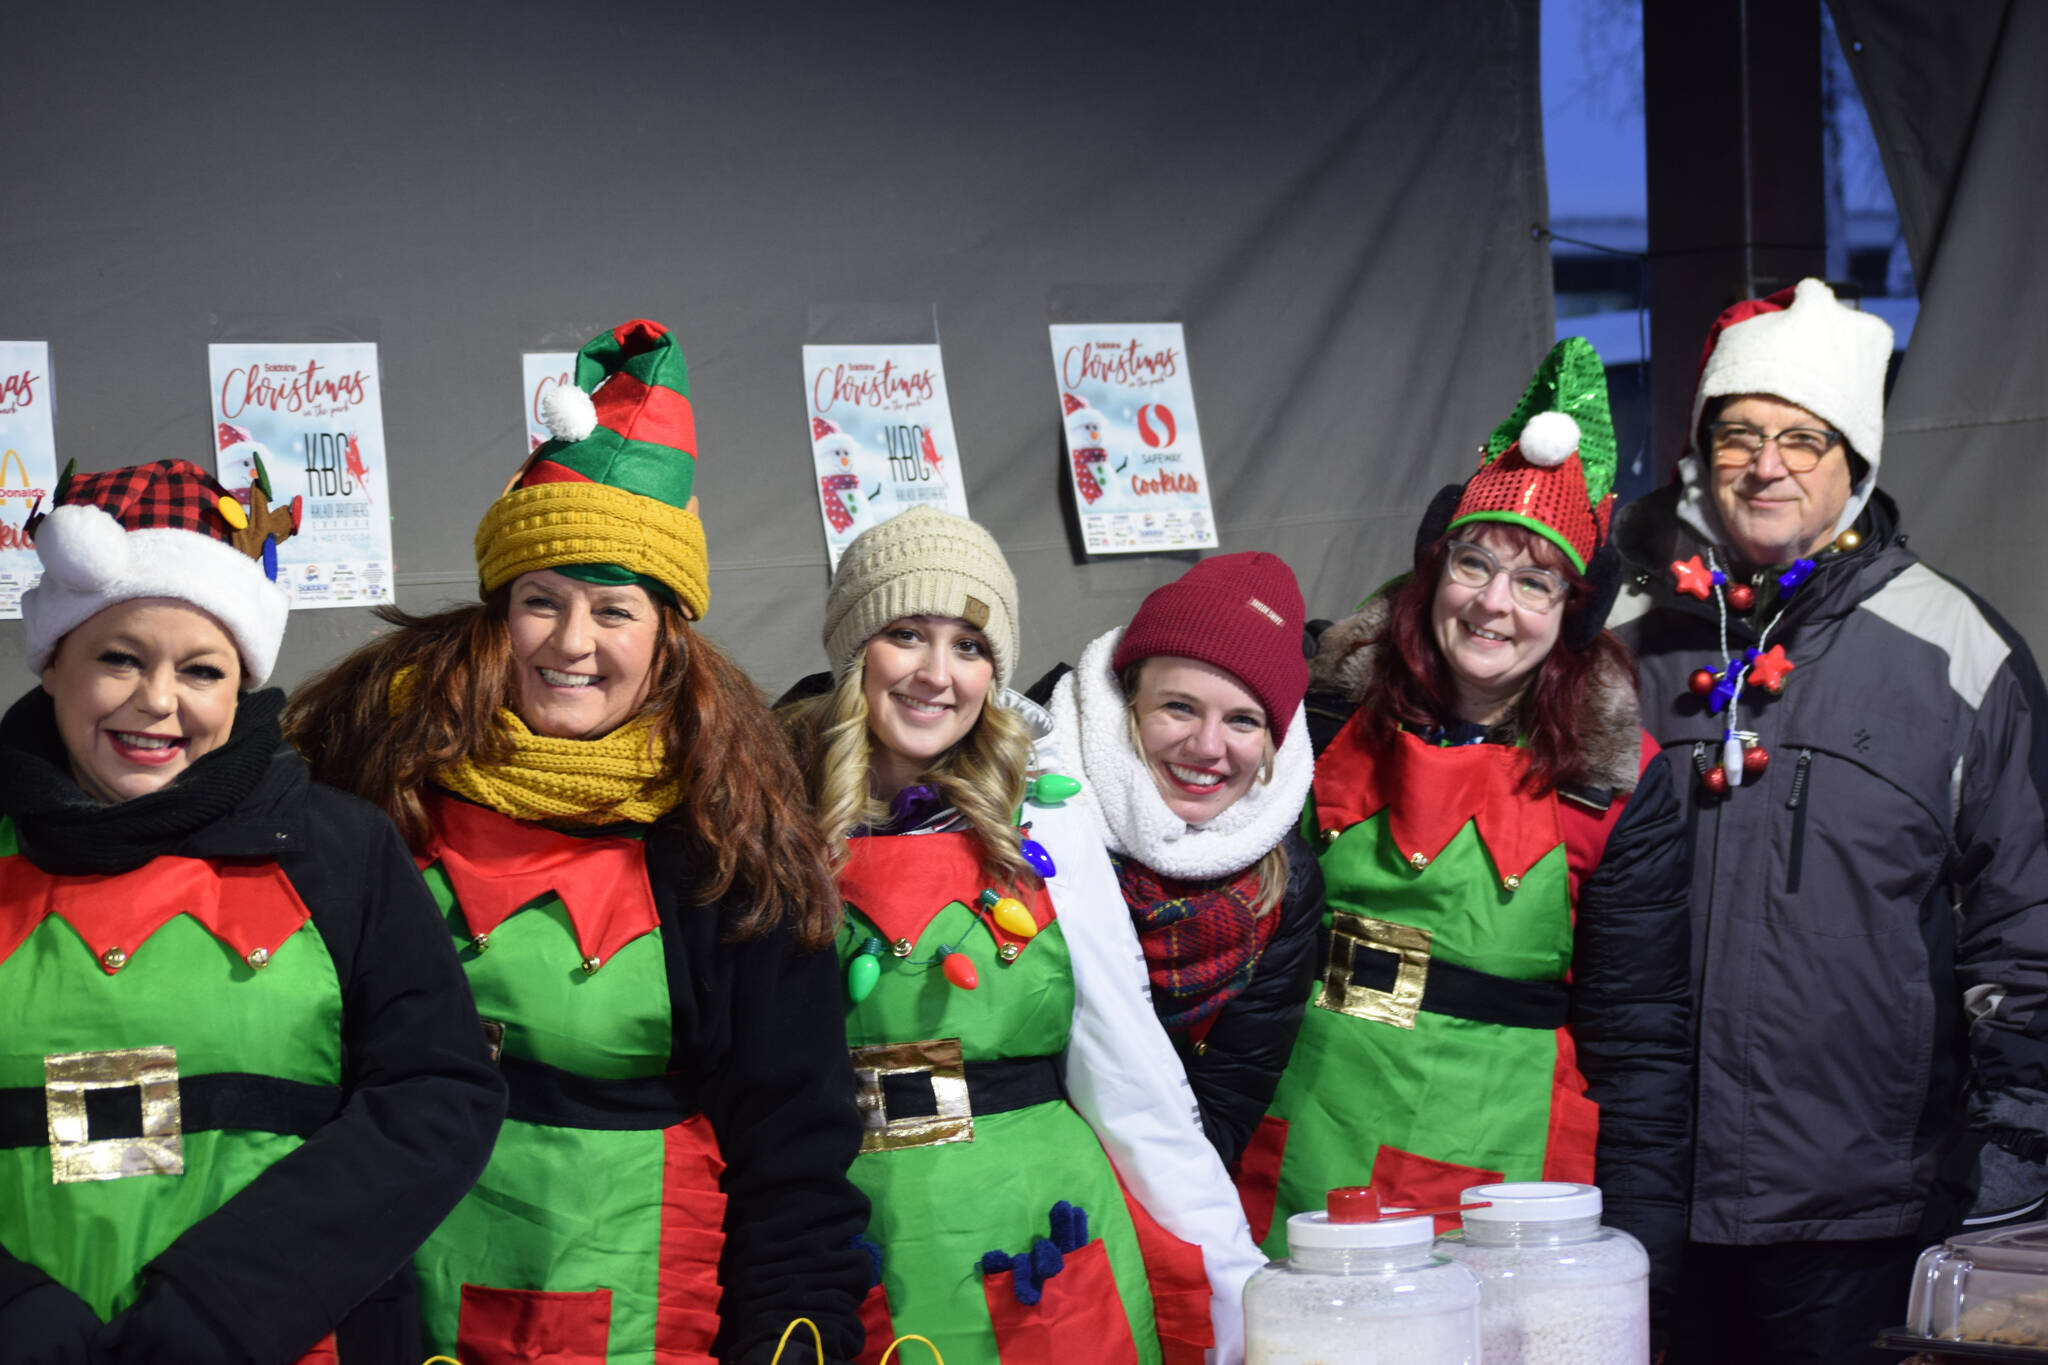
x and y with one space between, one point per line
959 968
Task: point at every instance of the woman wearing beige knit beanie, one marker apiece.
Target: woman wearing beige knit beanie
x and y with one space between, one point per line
995 996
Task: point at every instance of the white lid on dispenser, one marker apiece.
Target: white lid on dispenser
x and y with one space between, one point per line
1531 1201
1315 1231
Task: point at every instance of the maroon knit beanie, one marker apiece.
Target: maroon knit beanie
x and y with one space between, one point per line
1244 614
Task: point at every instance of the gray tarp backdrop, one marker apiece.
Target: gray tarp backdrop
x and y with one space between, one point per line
1334 197
1957 101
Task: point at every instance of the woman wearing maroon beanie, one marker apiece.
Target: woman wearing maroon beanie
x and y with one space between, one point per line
1196 758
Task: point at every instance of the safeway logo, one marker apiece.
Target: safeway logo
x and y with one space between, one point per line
1155 425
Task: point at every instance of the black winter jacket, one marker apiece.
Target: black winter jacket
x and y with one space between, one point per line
312 1244
1870 952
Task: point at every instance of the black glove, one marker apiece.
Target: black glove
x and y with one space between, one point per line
47 1325
165 1327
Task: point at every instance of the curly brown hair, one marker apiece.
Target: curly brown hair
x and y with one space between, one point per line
742 812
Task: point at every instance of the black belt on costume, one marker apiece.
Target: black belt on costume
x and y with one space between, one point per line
555 1098
993 1087
227 1099
1463 993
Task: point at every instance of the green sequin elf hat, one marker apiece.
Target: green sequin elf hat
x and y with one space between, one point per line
1550 465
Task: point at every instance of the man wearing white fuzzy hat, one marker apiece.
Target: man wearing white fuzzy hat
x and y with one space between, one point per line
1870 949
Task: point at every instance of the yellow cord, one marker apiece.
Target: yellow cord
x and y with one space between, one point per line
436 1360
817 1341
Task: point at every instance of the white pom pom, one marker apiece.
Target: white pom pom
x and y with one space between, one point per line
82 547
1550 439
568 412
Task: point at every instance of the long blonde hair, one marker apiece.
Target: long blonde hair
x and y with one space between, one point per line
982 776
1272 865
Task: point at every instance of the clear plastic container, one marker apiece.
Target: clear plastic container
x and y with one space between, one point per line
1554 1285
1984 1286
1361 1293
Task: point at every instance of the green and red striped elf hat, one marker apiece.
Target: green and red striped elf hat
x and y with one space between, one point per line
609 499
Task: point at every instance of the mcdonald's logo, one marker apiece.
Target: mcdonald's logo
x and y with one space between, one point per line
14 483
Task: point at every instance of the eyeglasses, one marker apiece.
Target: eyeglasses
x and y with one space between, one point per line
1801 448
1532 588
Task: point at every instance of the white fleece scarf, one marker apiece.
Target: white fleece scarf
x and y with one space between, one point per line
1088 717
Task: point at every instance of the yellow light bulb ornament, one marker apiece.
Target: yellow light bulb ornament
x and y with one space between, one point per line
1011 914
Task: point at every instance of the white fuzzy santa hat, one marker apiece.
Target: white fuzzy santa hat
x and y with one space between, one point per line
158 530
1811 350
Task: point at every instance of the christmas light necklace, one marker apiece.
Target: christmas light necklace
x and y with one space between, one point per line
1756 667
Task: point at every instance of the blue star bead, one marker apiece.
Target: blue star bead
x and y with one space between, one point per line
1800 571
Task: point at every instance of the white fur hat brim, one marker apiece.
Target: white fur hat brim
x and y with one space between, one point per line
156 562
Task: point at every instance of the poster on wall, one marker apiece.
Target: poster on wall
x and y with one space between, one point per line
314 413
28 463
1134 449
545 371
881 437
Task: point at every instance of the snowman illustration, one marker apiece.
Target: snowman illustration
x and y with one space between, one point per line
841 484
1086 445
236 451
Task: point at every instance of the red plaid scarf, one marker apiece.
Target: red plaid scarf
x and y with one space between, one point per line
1201 939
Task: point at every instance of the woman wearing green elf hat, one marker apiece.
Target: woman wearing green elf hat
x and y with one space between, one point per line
620 847
1506 992
240 1080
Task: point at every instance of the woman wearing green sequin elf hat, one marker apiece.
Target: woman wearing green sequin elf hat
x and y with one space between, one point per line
240 1078
991 976
621 850
1506 994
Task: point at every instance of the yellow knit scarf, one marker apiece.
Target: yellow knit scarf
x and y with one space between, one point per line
570 781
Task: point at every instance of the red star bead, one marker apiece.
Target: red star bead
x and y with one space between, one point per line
1693 577
1770 668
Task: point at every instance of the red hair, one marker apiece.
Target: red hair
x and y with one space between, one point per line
1411 684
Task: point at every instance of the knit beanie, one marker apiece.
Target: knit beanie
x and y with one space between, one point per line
921 562
160 530
1550 466
1244 614
1804 346
609 499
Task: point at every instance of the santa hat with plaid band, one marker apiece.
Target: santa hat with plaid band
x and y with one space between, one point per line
157 530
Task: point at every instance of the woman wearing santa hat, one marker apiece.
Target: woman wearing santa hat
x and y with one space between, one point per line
240 1079
1506 995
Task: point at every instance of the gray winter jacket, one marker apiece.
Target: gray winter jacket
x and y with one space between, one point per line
1870 944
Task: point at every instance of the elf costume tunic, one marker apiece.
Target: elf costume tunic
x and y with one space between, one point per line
994 1114
668 1186
1502 965
239 1077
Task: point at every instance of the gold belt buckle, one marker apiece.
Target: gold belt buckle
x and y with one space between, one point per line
941 1060
69 1077
1398 1006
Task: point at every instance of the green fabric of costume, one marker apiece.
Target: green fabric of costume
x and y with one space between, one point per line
182 988
514 1230
938 1208
1362 1097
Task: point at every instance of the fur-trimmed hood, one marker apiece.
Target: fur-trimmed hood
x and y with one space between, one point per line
1609 728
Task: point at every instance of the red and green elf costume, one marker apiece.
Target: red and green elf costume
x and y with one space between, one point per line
1503 963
